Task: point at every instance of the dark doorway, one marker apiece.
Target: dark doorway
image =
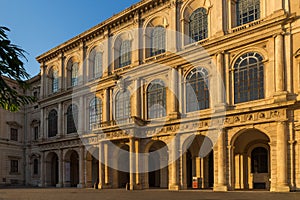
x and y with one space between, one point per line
54 170
189 169
74 169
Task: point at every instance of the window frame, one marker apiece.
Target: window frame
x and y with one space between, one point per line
201 82
122 99
158 41
72 118
202 27
158 96
52 126
98 116
14 134
239 74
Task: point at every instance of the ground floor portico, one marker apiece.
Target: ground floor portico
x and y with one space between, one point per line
249 157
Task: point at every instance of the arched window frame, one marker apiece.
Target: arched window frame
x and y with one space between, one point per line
158 40
125 53
53 80
249 78
95 64
197 88
156 95
122 105
72 118
198 25
247 11
95 112
52 123
74 74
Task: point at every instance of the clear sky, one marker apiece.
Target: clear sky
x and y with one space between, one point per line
39 25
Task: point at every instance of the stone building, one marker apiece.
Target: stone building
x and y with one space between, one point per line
167 91
14 129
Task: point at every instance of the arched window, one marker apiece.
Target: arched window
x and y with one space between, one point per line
122 105
95 64
156 96
52 123
74 74
198 28
35 167
248 78
247 11
95 110
197 91
259 160
158 40
125 53
54 80
72 118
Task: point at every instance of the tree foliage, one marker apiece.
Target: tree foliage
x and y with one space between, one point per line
11 66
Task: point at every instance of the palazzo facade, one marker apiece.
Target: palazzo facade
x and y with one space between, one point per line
170 90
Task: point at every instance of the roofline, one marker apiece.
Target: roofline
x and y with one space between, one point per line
96 30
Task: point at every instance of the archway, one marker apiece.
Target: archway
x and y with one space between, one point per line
52 169
72 168
92 165
123 166
198 163
158 165
251 160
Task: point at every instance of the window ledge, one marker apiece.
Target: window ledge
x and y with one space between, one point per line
245 26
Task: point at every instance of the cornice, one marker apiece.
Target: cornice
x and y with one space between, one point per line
116 20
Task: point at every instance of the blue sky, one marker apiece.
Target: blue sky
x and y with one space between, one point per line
39 25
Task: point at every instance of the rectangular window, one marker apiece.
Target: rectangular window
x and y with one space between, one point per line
14 166
36 133
14 134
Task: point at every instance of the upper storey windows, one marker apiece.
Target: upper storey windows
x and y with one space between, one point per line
247 11
125 53
248 78
95 64
198 27
158 41
72 71
53 80
156 99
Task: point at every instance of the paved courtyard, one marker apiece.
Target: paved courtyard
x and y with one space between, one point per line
90 194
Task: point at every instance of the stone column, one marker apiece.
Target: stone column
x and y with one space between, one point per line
60 120
81 167
220 78
279 63
81 117
106 169
43 81
60 170
221 184
173 92
101 174
43 123
106 105
136 99
137 165
280 93
282 185
42 171
173 182
131 163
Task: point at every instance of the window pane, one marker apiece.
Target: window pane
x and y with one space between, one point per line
156 96
249 78
197 90
247 11
125 53
198 28
95 110
72 118
52 123
158 40
14 134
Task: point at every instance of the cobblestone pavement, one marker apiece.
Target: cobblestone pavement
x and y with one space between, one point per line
90 194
